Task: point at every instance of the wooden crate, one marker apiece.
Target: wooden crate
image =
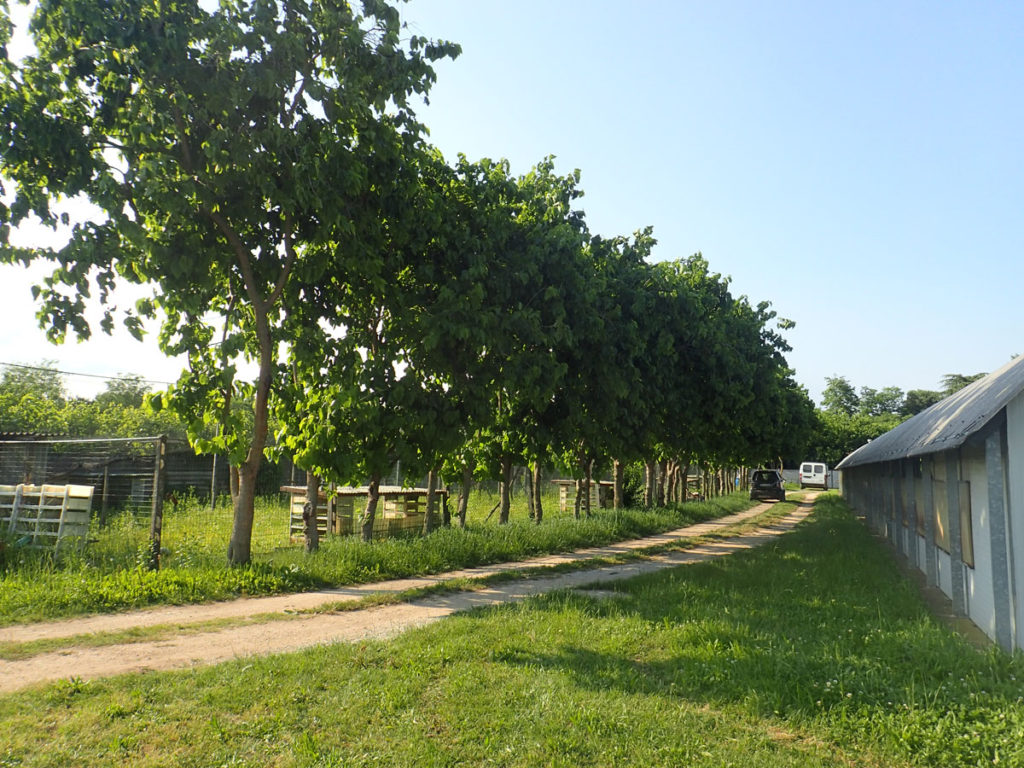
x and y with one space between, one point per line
601 493
398 509
296 527
344 513
403 505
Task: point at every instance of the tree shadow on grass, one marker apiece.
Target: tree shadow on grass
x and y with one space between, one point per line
820 626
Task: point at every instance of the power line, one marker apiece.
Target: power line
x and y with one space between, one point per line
89 375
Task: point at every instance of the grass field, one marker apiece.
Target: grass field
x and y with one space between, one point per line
812 651
109 573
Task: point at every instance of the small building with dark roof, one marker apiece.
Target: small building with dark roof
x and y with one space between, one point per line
946 488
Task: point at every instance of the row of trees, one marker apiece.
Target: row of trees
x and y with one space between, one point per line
261 165
840 396
849 417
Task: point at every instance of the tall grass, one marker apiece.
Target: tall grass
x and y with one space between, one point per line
109 573
811 651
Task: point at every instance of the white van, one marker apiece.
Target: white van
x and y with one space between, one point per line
813 475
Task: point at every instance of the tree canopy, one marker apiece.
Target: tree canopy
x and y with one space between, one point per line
226 148
260 165
34 399
848 418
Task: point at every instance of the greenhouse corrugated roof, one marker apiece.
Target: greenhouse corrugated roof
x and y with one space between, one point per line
948 423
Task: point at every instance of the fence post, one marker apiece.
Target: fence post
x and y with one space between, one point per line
213 484
106 496
156 523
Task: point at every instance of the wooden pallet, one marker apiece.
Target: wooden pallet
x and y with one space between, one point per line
44 515
399 510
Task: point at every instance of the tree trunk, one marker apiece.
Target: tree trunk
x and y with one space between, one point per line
240 545
233 483
588 483
311 513
538 509
372 495
650 482
670 481
428 517
467 484
617 475
662 467
446 511
578 498
530 499
506 490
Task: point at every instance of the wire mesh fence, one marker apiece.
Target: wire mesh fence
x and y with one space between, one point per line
186 506
183 513
119 471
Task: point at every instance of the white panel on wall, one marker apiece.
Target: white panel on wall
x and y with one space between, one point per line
1015 505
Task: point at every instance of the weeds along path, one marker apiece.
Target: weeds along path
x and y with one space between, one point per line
265 633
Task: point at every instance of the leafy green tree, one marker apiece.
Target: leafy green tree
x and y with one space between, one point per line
399 360
601 405
33 398
127 391
916 400
361 401
836 435
530 286
32 413
954 382
574 422
226 148
693 364
874 402
42 380
839 396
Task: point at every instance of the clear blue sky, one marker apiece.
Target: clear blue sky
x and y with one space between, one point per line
859 165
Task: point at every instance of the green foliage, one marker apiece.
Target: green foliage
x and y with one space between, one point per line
119 411
954 382
916 400
880 402
836 435
126 391
42 381
839 396
848 420
398 308
248 136
717 374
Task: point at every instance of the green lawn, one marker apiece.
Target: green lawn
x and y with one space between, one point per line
108 574
811 651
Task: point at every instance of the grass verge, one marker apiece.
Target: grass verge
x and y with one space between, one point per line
810 651
15 651
88 582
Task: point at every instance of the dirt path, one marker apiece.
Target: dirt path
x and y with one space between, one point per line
211 647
